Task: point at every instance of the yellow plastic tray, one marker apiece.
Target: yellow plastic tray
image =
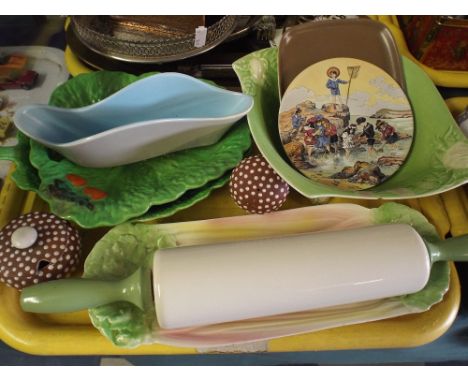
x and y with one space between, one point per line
73 333
448 78
73 63
67 334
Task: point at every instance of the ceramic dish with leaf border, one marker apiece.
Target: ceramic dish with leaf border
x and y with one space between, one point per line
109 196
26 178
438 160
127 247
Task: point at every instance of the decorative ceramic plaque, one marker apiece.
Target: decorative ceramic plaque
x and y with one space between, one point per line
346 122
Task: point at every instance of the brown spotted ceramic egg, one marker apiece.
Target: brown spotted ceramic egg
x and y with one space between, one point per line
256 187
38 247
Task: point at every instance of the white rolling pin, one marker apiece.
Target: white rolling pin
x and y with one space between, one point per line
209 284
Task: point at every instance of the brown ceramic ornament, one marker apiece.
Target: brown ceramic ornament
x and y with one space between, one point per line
256 187
38 247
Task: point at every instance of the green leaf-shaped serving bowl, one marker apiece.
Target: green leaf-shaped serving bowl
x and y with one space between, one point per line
438 160
146 190
127 247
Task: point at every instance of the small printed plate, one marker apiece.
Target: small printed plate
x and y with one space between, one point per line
345 122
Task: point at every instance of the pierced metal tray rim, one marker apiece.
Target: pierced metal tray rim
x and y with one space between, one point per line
230 21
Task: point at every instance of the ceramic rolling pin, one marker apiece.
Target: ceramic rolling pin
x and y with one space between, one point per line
209 284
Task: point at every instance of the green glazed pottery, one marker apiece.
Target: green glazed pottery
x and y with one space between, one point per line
438 160
188 199
129 247
106 197
27 178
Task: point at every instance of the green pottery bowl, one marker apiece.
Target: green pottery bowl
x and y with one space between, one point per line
438 160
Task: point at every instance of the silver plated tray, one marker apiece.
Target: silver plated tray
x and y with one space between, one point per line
93 32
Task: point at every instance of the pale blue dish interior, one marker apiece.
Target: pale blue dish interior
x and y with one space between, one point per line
160 97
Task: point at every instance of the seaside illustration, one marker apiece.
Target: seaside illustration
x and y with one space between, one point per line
346 122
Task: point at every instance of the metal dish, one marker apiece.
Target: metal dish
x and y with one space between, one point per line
244 26
94 34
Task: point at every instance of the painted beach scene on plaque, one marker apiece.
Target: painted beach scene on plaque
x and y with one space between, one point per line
346 122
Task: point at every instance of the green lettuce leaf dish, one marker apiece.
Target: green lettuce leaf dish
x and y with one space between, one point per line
27 178
127 247
188 199
120 252
438 160
149 189
440 272
25 175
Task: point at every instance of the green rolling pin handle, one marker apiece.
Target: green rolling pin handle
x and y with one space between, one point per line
453 249
70 295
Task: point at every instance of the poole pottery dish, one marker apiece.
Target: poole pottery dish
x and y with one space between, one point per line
439 155
363 39
128 247
159 114
345 122
105 197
